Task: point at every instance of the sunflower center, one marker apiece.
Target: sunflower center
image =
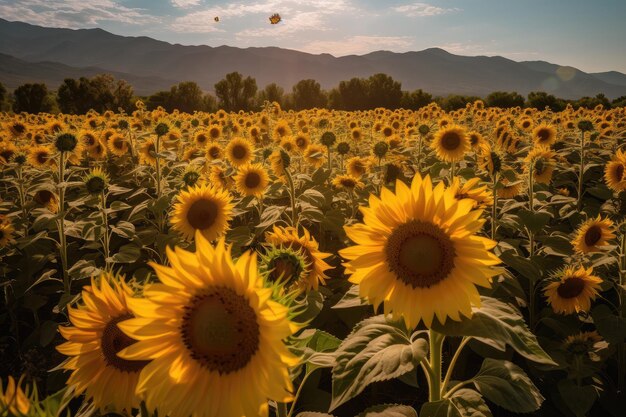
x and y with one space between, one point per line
543 135
214 152
202 214
450 141
593 235
114 340
118 143
253 180
619 172
239 152
571 288
420 254
220 330
42 157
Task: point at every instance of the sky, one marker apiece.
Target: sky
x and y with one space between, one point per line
586 34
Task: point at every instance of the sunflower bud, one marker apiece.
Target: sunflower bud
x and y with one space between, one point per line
380 149
96 181
423 129
66 142
161 129
328 139
343 148
585 125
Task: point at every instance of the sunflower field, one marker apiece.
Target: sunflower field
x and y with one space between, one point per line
313 264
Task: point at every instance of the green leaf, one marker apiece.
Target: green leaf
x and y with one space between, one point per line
534 221
522 265
47 332
498 324
436 409
376 350
609 325
351 299
508 386
578 399
124 229
389 410
127 254
469 403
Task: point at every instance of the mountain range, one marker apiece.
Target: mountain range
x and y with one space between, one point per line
30 53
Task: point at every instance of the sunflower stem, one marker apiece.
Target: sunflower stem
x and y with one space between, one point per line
494 208
158 166
281 410
621 357
436 343
457 353
419 154
581 170
22 196
105 223
297 395
292 198
61 224
452 169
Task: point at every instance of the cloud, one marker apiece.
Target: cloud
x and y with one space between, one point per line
73 13
423 10
184 4
360 44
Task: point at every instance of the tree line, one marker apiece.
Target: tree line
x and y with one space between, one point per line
236 92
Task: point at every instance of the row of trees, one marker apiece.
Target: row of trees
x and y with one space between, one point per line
234 92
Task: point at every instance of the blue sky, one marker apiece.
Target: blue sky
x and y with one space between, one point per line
587 34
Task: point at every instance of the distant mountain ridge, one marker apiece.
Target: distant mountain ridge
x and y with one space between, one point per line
34 53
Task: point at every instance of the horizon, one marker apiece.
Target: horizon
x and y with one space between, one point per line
464 29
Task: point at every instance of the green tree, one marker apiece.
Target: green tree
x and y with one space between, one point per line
160 98
236 93
31 98
353 94
272 92
3 95
308 94
456 102
209 103
102 92
186 97
415 100
591 102
504 100
540 100
384 91
619 102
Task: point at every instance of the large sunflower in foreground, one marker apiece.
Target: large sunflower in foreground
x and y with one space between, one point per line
93 341
289 237
572 290
213 334
418 253
204 208
593 235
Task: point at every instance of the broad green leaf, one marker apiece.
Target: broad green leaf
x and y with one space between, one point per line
127 254
376 350
578 399
389 410
508 386
534 221
521 265
469 403
498 324
351 299
609 325
464 403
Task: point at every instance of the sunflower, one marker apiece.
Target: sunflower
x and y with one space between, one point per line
93 342
204 208
572 290
450 143
217 176
286 266
347 182
289 237
201 138
542 161
280 130
118 145
302 141
585 343
476 140
239 152
314 155
213 334
471 189
252 180
614 172
13 400
511 188
147 152
215 132
544 135
40 156
6 233
357 166
47 199
490 160
279 160
214 151
275 19
418 252
593 235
